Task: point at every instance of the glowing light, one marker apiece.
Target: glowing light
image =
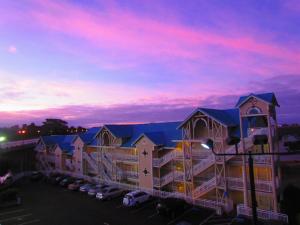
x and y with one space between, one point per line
23 131
2 138
205 146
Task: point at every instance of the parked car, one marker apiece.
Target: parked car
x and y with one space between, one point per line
36 176
171 207
9 197
97 188
86 187
75 185
135 198
109 193
51 178
65 182
58 179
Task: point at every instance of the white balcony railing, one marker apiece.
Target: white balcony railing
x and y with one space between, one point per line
238 184
262 214
125 157
179 176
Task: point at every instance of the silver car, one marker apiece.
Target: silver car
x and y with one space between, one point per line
109 193
97 188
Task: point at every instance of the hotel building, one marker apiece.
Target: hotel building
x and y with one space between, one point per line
168 159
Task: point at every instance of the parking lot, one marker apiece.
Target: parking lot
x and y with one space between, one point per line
46 204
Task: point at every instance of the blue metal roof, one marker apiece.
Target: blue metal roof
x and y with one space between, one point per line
227 117
89 136
120 130
63 141
157 132
158 138
267 97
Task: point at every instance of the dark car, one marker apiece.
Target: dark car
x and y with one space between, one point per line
9 197
171 207
36 176
66 181
58 179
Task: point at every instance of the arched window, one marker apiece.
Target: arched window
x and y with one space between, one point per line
105 139
200 129
254 110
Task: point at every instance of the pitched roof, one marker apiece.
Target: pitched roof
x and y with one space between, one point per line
227 117
267 97
89 136
157 132
158 138
120 130
63 141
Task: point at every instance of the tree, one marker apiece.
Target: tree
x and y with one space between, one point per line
54 126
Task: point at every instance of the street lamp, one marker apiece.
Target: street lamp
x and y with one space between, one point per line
257 140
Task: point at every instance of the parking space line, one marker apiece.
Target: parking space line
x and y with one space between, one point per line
29 222
9 212
179 217
15 217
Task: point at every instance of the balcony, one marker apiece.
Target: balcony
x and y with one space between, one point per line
125 157
262 214
238 184
257 159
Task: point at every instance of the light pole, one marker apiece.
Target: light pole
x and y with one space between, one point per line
257 140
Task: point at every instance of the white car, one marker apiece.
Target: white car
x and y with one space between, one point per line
135 198
109 193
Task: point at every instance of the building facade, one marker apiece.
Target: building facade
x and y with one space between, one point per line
168 159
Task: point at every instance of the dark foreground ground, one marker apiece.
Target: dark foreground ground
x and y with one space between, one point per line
45 204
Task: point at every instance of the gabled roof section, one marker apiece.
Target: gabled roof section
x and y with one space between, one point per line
159 133
89 136
157 138
120 130
227 117
63 141
267 97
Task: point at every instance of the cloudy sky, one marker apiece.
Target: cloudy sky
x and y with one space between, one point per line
112 61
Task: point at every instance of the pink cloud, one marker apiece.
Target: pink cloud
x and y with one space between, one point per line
12 49
122 32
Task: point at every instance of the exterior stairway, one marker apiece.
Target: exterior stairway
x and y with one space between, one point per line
159 162
91 161
166 179
43 162
210 160
204 188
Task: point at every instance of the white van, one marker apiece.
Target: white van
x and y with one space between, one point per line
135 198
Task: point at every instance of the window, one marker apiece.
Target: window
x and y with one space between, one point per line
254 110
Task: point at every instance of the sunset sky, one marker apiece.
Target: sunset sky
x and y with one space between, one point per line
144 61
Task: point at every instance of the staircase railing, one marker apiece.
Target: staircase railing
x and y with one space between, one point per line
204 188
158 162
91 161
210 160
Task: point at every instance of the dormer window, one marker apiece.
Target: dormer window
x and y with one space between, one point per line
254 110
